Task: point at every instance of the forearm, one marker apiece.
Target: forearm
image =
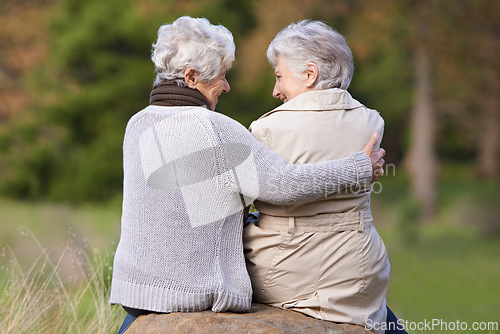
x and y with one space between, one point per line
292 184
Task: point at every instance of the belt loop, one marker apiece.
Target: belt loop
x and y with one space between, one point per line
291 225
361 222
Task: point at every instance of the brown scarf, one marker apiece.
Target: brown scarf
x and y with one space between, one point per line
167 93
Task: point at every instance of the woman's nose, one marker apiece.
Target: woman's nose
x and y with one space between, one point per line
227 88
276 92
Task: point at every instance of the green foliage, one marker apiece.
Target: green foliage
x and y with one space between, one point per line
101 72
99 75
236 15
384 83
67 146
95 39
29 153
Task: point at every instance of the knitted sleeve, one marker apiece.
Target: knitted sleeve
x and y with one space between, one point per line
262 174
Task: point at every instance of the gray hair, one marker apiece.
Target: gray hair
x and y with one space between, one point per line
192 42
314 41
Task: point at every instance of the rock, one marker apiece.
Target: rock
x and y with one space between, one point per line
260 320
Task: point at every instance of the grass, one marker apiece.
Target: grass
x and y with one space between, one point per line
447 268
63 288
448 274
53 224
56 260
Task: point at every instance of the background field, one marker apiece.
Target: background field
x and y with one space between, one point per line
447 269
73 72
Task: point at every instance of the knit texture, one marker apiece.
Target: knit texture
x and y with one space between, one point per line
188 174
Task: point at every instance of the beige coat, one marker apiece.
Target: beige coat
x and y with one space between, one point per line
323 258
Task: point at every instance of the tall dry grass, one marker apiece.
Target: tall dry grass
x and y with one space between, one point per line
67 293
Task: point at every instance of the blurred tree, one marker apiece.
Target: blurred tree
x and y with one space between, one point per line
67 144
450 63
421 159
97 77
383 79
101 57
453 47
477 53
23 47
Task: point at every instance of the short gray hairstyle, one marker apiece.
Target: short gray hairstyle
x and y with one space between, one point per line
192 42
314 41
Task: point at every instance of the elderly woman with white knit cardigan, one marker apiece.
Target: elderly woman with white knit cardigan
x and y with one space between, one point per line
322 257
189 173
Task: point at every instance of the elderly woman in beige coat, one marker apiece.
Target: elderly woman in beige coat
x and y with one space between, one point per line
323 258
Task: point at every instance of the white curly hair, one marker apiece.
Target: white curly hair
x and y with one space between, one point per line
192 42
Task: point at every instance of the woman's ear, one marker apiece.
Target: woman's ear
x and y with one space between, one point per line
312 74
190 77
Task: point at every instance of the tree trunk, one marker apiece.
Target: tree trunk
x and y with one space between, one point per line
422 162
489 141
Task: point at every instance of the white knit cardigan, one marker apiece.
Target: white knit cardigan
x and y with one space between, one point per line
188 174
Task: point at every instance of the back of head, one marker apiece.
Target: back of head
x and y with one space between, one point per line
192 42
314 41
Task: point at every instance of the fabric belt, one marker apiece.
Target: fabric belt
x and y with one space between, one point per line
328 222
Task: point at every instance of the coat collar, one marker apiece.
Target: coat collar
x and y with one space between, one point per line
319 100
